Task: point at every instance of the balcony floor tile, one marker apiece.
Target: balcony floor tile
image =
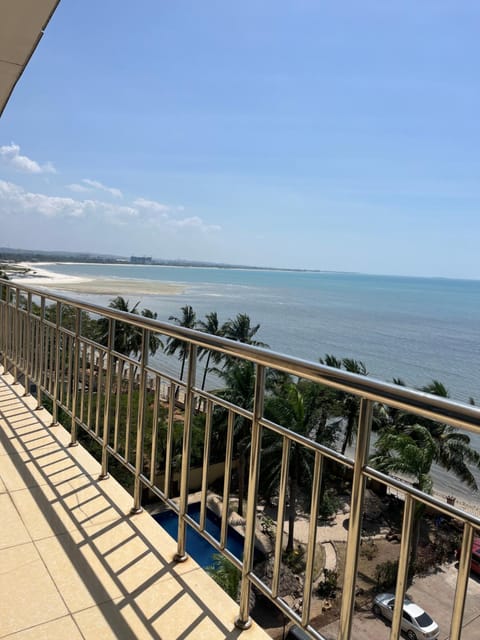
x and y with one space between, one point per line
28 594
75 563
12 531
64 628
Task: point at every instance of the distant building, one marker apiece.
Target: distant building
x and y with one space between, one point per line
141 260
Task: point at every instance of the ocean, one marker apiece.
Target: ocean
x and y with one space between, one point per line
417 329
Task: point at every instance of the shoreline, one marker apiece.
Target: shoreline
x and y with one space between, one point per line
44 279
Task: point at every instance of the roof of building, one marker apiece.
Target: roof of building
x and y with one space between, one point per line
22 24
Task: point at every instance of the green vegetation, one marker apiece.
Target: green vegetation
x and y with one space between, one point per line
226 575
405 444
187 320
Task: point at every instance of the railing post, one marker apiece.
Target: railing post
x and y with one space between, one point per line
181 554
4 324
137 492
312 538
106 407
462 583
355 525
58 318
16 336
76 364
27 349
408 514
244 621
41 354
168 448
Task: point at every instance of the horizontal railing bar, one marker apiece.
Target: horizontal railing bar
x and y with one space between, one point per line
225 404
429 500
306 442
410 400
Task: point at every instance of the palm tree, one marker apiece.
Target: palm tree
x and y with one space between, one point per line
410 444
239 380
453 450
127 338
240 329
348 404
411 453
295 412
188 320
210 325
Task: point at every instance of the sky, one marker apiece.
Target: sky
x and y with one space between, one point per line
296 134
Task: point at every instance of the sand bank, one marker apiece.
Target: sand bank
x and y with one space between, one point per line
42 278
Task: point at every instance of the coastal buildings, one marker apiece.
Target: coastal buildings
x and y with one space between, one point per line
141 260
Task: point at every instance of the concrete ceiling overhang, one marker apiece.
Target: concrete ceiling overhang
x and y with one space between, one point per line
22 24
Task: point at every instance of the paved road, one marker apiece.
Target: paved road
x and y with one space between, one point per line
435 594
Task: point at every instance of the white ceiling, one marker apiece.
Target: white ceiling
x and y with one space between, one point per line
22 23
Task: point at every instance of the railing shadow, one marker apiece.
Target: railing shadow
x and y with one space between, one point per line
73 521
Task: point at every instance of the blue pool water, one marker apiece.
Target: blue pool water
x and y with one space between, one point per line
201 550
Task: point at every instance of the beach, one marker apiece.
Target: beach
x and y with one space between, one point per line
39 277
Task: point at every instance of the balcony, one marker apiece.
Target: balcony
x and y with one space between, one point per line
81 554
75 564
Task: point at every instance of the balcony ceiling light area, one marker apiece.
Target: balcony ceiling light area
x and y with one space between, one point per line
22 23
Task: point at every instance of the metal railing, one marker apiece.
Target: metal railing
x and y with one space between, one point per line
131 409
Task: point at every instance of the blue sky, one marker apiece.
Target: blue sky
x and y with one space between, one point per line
305 134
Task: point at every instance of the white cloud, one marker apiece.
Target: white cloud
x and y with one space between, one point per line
11 155
90 185
95 184
78 188
15 199
194 222
142 216
167 213
152 205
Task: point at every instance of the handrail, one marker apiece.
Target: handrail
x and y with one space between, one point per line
404 398
59 362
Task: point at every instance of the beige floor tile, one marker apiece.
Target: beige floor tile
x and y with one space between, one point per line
48 464
70 506
175 616
28 596
12 529
124 618
78 570
31 439
114 572
61 629
108 623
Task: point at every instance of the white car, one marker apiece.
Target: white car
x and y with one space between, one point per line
416 623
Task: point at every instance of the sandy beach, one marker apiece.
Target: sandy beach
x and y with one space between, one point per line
40 277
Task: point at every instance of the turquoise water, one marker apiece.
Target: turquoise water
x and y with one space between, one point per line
418 329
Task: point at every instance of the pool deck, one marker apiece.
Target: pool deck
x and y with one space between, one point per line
74 563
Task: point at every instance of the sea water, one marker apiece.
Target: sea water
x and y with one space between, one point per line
416 329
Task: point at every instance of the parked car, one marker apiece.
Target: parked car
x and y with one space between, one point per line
475 562
416 623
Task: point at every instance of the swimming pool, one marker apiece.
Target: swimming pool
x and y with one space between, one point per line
196 546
